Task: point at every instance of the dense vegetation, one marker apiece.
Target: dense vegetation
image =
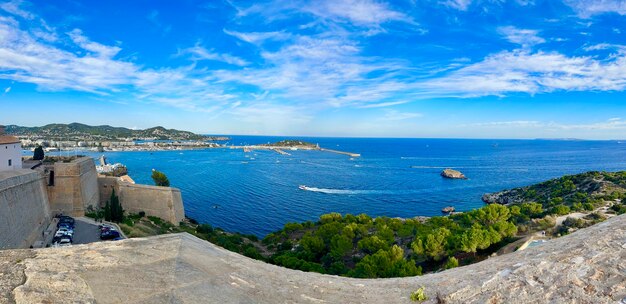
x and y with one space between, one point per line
570 193
365 247
77 131
359 246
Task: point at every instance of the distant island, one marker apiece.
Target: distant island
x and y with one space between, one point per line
82 132
292 143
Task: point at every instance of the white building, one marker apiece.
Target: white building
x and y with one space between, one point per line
10 153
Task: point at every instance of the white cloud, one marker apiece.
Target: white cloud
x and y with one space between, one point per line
361 13
523 71
13 7
394 115
99 49
7 90
514 123
523 37
589 8
258 37
198 52
462 5
357 12
609 124
604 46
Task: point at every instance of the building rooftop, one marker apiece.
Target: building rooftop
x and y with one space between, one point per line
7 139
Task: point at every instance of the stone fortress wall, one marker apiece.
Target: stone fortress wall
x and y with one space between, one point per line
30 198
162 202
24 210
73 187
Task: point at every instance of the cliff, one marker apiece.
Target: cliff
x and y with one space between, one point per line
583 267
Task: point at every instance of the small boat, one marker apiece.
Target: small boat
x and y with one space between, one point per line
303 187
448 209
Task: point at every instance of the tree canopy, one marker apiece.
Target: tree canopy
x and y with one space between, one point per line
160 179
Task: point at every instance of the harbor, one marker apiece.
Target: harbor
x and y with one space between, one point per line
281 149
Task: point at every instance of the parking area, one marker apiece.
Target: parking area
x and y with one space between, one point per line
85 233
81 231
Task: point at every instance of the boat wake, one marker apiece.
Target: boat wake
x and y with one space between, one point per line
352 192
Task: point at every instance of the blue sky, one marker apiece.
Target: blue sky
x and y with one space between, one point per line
406 68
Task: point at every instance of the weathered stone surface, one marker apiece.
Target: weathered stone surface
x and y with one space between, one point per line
12 272
75 187
24 212
584 267
162 202
454 174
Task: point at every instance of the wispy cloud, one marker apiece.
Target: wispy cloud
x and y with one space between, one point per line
357 12
609 124
589 8
14 7
531 72
258 37
523 37
462 5
394 115
155 19
198 52
605 46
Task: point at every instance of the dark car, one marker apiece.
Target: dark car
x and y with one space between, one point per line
66 220
65 225
109 235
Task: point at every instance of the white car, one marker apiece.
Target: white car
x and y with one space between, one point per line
64 231
64 243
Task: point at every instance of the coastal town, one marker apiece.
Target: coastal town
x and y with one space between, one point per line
74 137
70 137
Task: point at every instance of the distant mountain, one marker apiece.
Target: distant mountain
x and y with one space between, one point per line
77 131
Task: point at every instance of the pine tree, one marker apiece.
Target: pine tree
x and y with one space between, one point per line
39 154
160 179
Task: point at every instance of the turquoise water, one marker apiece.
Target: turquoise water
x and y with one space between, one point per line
258 193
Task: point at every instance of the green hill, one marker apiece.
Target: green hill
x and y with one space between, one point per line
78 131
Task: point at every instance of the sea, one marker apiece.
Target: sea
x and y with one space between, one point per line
258 192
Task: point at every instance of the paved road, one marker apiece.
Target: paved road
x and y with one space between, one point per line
85 233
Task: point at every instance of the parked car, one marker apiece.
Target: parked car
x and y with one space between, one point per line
109 235
65 242
61 239
66 220
58 238
64 231
65 225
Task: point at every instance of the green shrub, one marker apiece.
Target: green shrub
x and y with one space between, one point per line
560 210
419 295
451 263
204 228
129 222
156 220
